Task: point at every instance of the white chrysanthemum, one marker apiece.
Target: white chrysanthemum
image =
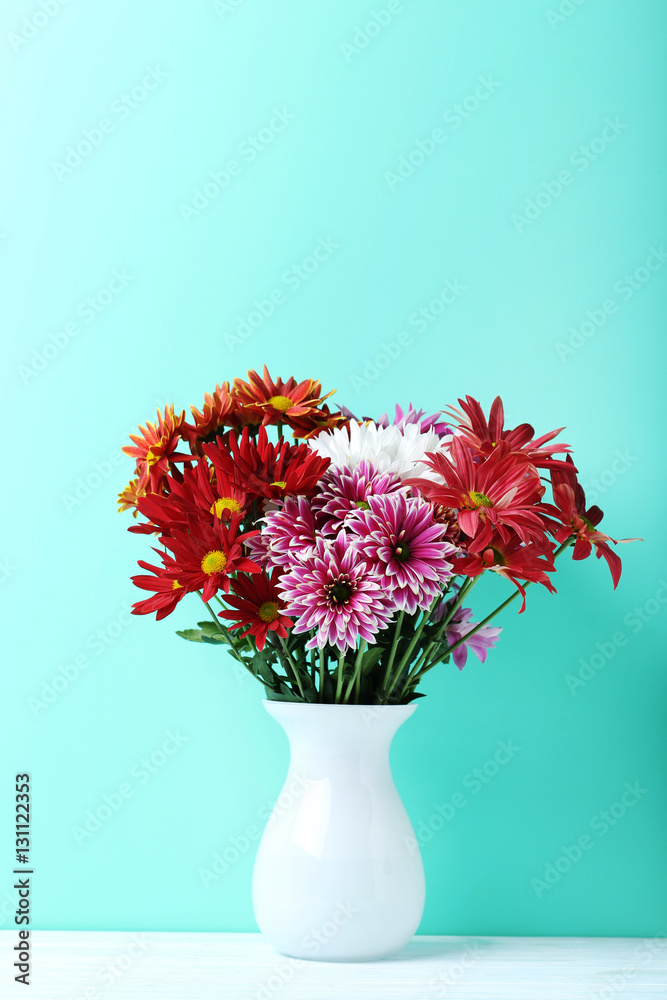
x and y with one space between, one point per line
390 449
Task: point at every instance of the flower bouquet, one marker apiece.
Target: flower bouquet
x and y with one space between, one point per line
337 567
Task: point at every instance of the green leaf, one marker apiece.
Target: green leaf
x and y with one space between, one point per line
192 634
209 628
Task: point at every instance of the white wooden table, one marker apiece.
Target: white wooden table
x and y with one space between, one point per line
104 965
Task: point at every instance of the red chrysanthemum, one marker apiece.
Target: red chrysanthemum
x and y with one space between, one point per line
269 402
508 557
220 410
267 470
195 493
167 591
205 558
569 517
317 421
484 436
499 490
257 605
155 451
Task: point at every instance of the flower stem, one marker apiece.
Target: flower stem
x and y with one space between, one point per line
293 669
392 654
339 676
415 639
357 669
321 696
225 634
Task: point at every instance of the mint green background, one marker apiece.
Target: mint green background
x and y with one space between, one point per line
67 562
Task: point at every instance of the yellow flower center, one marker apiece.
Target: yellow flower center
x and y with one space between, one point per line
281 403
268 611
176 585
279 482
479 499
213 562
224 504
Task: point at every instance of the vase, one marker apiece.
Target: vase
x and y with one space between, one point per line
338 875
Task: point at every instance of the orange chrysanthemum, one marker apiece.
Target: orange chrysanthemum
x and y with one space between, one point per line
127 499
317 421
155 451
268 402
221 409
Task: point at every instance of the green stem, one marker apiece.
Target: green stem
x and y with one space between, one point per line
292 666
225 634
357 669
280 429
392 654
415 639
321 696
339 676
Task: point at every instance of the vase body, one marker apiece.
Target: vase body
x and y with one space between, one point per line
338 874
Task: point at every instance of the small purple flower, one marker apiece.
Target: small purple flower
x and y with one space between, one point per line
333 593
343 491
404 547
480 643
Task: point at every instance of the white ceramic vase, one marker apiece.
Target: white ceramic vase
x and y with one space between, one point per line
338 875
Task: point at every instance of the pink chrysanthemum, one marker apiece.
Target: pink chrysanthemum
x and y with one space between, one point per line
343 491
404 547
480 643
333 593
288 534
412 416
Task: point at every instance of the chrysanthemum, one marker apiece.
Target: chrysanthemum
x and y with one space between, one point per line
317 422
155 450
460 625
193 494
343 491
257 604
500 490
389 449
403 546
167 591
221 409
411 416
510 558
267 470
127 498
485 436
288 534
204 559
268 402
334 594
570 518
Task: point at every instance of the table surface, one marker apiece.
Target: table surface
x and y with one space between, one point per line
104 965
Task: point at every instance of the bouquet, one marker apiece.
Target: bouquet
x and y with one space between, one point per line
338 566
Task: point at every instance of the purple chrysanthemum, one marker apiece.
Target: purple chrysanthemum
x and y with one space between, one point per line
333 593
288 534
412 416
343 491
480 643
404 548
